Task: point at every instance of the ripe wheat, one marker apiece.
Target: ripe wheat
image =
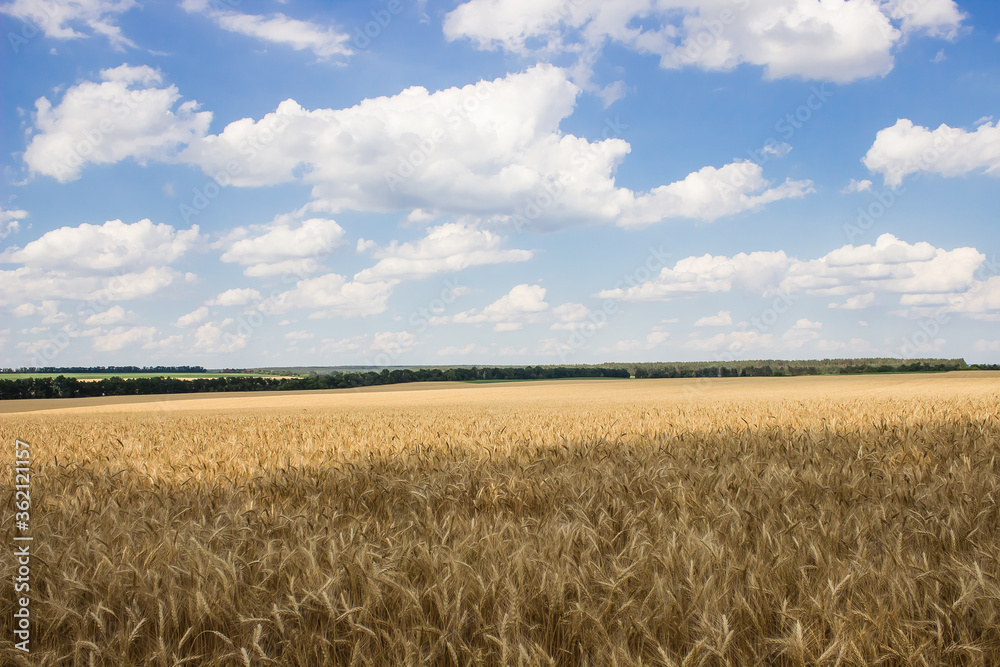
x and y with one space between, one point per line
799 521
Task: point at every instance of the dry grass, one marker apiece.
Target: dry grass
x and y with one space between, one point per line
786 521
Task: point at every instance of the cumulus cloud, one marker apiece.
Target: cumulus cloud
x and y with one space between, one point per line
194 317
120 337
652 340
10 221
905 149
236 297
282 248
523 304
838 41
393 342
756 271
709 194
112 315
981 301
324 41
722 319
112 262
735 342
66 20
491 150
48 310
804 332
216 338
983 345
446 249
856 302
112 246
889 265
857 186
125 115
331 295
573 316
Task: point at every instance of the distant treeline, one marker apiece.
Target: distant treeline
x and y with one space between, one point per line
772 368
106 369
68 387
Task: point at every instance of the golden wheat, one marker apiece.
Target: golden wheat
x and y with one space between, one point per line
787 521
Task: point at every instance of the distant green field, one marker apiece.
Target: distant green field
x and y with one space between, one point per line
102 376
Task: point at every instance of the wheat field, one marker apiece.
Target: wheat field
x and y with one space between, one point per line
778 521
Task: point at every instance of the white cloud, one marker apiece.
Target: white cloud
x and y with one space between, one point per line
110 262
123 116
28 283
235 297
64 20
119 337
299 336
523 304
281 249
393 343
735 342
802 332
490 150
983 345
48 310
905 149
890 265
981 301
856 302
722 319
447 248
937 18
10 221
212 338
113 246
709 194
573 316
652 340
857 186
194 317
331 295
835 40
324 41
353 344
756 271
112 315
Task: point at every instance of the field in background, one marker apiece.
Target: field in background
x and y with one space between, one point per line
808 520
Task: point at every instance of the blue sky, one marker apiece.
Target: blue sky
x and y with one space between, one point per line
237 183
